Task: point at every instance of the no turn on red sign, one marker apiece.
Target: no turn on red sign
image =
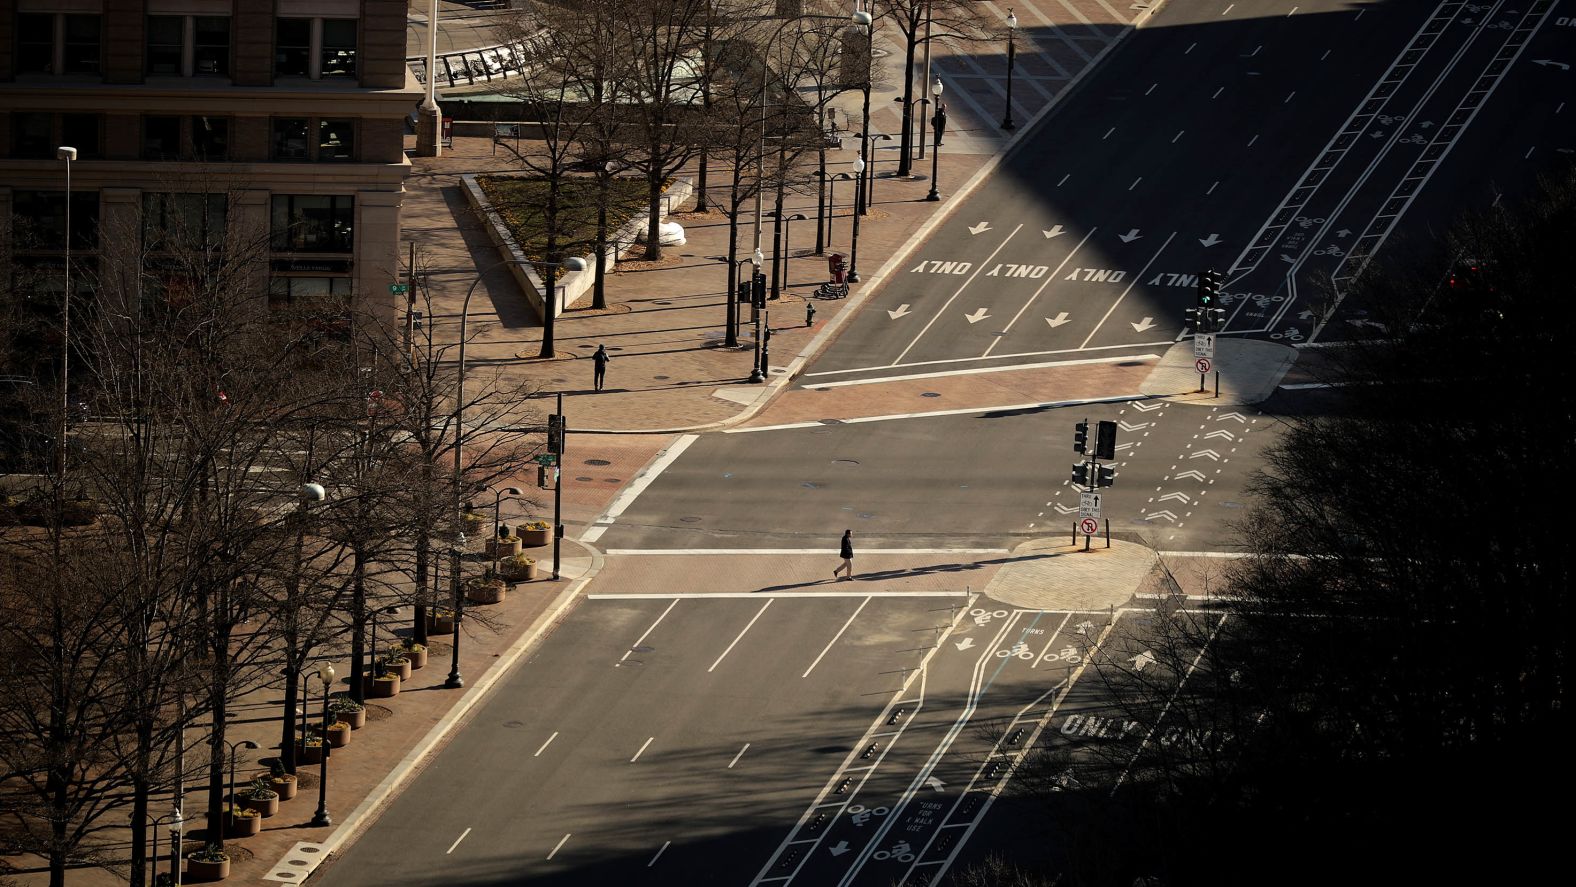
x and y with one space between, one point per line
1088 526
1203 365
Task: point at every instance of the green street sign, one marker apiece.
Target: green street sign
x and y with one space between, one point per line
399 289
547 459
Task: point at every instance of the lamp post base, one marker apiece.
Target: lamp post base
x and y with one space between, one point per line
853 276
429 132
1008 125
933 195
454 682
322 820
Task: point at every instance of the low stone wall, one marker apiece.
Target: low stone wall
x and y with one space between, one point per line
574 286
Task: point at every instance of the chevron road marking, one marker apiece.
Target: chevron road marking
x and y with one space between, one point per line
1221 433
1205 453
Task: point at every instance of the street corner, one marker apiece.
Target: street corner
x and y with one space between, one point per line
1052 574
1218 370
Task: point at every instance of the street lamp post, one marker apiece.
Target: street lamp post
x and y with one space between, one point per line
431 122
787 253
320 819
153 857
497 511
176 826
870 188
756 375
377 664
831 200
853 253
245 743
935 156
865 20
454 681
598 287
1012 27
926 78
67 154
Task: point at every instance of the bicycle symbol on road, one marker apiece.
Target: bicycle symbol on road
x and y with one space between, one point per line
1020 650
901 851
1415 138
1290 334
982 616
1261 299
1307 221
1333 249
861 814
1068 654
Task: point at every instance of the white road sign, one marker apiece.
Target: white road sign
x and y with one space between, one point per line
1088 526
1203 365
1089 506
1204 345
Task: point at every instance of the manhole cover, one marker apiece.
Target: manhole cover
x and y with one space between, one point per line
662 378
689 520
612 480
661 302
844 462
514 723
598 462
931 394
586 347
585 480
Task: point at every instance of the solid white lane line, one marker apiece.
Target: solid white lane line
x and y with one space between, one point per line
646 632
1108 133
1051 640
1212 189
555 733
964 411
559 845
975 371
1218 92
948 304
659 854
762 595
1136 278
1064 180
1177 136
1151 88
829 645
642 749
1135 183
636 487
1049 278
771 551
947 360
457 842
1228 9
1252 140
741 635
738 756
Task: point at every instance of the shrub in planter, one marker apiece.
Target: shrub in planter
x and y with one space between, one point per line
349 711
282 782
485 590
207 864
536 533
519 568
310 751
261 797
441 621
416 653
244 822
385 685
503 546
396 663
338 734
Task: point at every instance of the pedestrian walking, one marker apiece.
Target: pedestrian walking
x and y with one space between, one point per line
600 359
847 554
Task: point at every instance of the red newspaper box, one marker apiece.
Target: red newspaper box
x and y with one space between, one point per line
838 268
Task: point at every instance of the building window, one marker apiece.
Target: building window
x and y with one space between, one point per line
189 221
292 47
290 138
82 50
161 138
35 43
339 47
81 131
166 41
314 295
211 55
210 138
313 224
336 140
32 135
38 219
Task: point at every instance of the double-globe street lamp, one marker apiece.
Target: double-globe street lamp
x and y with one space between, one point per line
781 253
870 176
497 515
320 819
234 803
1012 28
831 200
935 156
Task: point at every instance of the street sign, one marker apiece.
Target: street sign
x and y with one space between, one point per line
1088 526
1089 505
547 459
399 289
1203 365
1204 345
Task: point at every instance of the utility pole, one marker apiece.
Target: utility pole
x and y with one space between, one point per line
555 446
1093 477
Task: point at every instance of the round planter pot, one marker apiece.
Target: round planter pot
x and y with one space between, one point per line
418 658
398 668
535 538
244 826
339 738
503 547
440 624
523 574
309 754
383 688
356 719
205 872
485 594
286 787
265 806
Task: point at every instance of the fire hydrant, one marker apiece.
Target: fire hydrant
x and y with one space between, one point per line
809 314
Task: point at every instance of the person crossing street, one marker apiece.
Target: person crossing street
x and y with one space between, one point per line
600 359
846 552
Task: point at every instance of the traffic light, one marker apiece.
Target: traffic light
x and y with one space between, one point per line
1216 319
1105 440
1192 320
759 292
1081 437
555 433
1105 476
1208 288
744 292
1081 473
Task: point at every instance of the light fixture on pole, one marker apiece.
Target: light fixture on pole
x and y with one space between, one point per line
1012 28
853 253
756 374
831 201
430 133
177 825
497 511
870 187
786 253
454 681
67 154
320 819
866 21
935 155
244 743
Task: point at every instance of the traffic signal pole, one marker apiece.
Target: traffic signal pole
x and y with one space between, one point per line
556 434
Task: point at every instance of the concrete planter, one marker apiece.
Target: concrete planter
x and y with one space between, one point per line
401 668
203 871
284 786
385 687
530 538
265 807
486 593
501 548
418 658
244 826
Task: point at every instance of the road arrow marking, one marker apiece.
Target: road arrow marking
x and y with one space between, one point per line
977 316
838 849
1085 627
1211 454
1233 415
934 783
1344 232
965 643
1193 473
901 311
1180 497
1055 231
1165 514
1547 62
1064 509
1143 660
1288 259
1305 315
1058 320
1130 236
1128 426
1147 323
1426 124
1146 407
981 228
1221 433
1211 240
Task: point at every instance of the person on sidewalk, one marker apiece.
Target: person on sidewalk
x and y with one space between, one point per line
600 359
847 554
